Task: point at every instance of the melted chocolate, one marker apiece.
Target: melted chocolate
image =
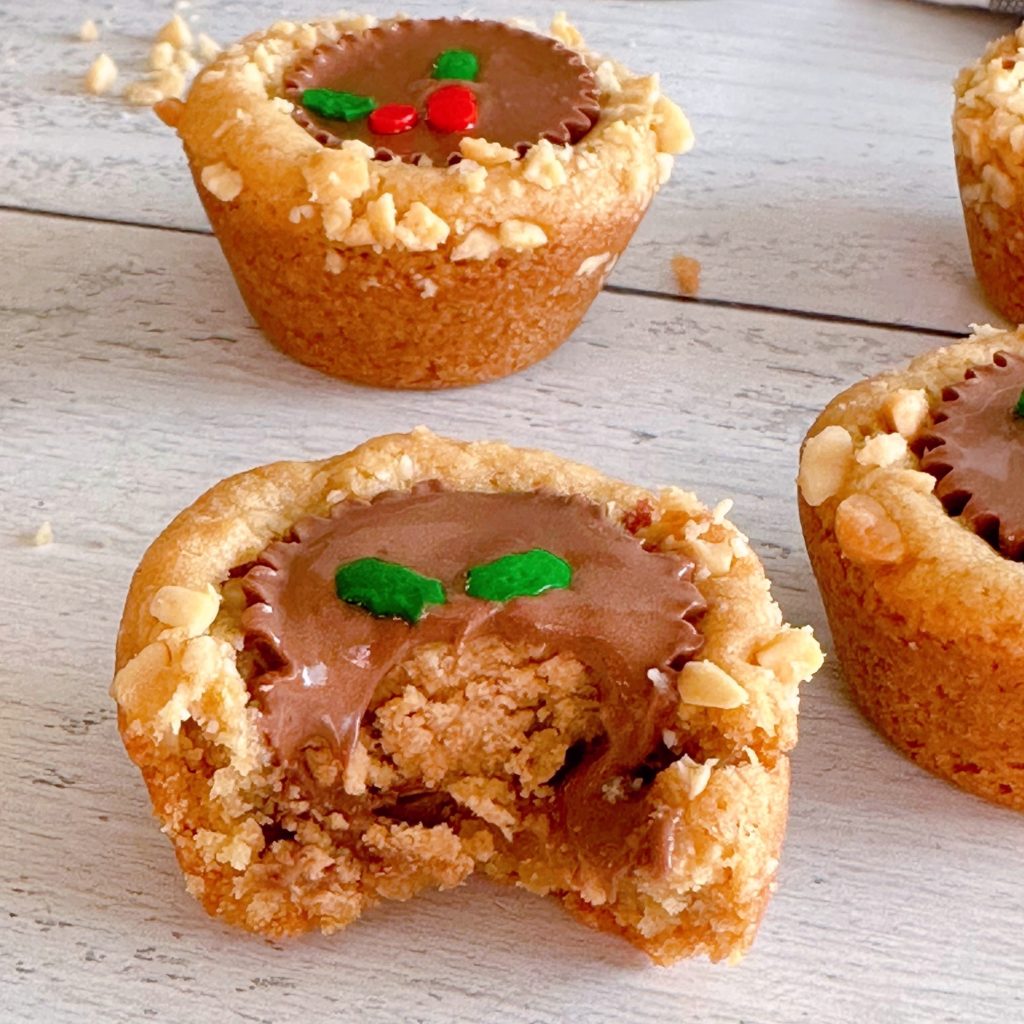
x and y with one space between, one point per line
975 449
529 87
627 611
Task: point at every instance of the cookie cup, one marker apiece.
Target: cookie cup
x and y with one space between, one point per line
185 715
925 615
988 143
408 276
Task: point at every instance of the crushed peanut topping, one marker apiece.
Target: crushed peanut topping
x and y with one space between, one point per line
521 235
824 464
420 229
143 94
883 450
161 55
176 32
704 684
208 48
221 181
866 533
906 411
479 244
792 657
182 608
487 154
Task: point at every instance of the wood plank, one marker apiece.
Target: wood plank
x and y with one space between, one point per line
132 379
822 179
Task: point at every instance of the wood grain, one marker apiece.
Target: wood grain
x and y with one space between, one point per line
132 379
822 179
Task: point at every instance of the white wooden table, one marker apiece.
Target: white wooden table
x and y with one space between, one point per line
822 203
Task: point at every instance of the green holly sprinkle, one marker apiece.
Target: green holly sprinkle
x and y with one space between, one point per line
339 106
526 574
1018 409
386 589
461 64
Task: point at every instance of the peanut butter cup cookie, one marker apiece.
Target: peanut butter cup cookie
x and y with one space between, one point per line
423 203
988 141
352 680
912 504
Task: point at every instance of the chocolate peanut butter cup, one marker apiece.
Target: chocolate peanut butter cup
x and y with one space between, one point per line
526 87
975 450
627 612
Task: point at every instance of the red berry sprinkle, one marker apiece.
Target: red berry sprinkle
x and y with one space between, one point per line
452 108
641 515
393 119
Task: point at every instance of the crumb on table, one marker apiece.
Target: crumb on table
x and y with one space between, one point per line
172 60
687 271
44 535
101 75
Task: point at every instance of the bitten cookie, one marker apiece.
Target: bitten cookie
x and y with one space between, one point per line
351 680
988 141
912 507
423 203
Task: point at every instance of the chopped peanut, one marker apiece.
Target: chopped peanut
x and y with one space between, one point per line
704 684
866 533
824 464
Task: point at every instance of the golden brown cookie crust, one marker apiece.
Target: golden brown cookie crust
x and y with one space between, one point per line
925 615
495 259
185 719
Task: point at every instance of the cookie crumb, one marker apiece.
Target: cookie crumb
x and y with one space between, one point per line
687 271
44 535
88 32
101 75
